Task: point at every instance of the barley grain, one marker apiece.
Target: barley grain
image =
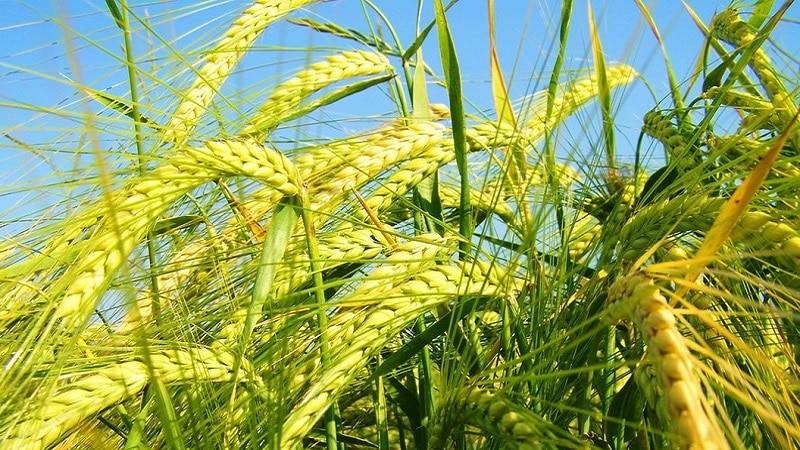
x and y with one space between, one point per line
659 126
487 200
583 237
248 158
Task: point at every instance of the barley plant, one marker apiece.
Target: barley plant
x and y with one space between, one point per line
210 262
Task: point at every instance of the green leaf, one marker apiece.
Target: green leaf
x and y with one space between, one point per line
120 106
175 223
624 413
452 76
657 183
284 219
603 91
714 78
166 415
418 342
426 193
408 402
502 102
760 13
115 13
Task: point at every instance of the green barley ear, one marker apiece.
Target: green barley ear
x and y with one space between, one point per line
659 125
220 62
492 413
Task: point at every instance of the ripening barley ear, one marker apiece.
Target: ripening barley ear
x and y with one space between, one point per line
135 209
345 245
140 205
331 169
409 175
221 60
486 201
673 382
422 144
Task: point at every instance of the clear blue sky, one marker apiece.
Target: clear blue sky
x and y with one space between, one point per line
44 42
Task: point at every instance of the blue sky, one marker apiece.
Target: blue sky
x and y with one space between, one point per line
45 43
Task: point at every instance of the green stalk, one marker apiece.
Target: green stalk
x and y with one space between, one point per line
322 318
164 407
425 382
609 374
406 70
381 411
550 153
121 19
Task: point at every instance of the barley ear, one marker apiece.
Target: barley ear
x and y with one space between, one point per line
728 26
493 413
54 416
682 402
134 210
290 94
220 61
